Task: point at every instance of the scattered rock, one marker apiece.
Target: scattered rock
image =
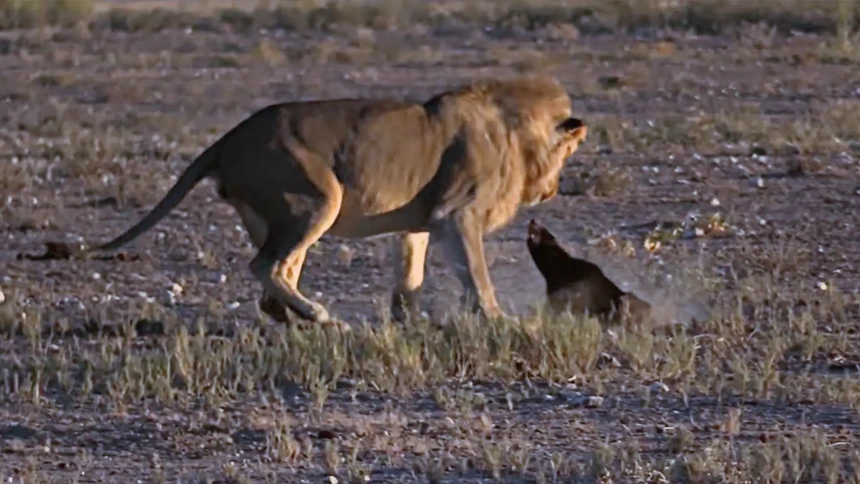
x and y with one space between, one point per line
344 255
757 151
2 297
142 328
149 327
579 399
54 251
658 387
605 360
840 364
610 82
17 432
64 251
14 446
173 293
109 201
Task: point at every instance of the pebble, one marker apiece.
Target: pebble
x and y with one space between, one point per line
658 387
582 400
2 297
607 360
344 254
757 182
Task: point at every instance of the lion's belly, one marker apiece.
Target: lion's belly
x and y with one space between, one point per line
360 211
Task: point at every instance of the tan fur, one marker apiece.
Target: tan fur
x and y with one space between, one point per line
452 169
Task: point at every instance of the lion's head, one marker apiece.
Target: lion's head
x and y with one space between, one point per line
547 157
537 110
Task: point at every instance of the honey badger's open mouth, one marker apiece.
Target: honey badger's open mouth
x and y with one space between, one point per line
537 233
533 230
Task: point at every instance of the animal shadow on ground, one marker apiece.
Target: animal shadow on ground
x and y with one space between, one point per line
580 286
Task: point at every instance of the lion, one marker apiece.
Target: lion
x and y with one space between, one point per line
453 169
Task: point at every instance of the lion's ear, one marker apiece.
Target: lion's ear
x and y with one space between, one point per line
574 128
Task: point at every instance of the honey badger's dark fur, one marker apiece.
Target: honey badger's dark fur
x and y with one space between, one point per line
577 285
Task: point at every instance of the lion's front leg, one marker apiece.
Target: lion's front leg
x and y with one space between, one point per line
410 255
462 241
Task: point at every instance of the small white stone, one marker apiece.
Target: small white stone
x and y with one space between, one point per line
176 289
344 254
715 202
233 305
607 360
2 297
658 387
96 276
822 285
331 480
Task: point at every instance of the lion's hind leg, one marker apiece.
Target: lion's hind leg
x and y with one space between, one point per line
276 266
258 230
295 220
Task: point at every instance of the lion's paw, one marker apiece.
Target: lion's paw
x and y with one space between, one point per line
274 309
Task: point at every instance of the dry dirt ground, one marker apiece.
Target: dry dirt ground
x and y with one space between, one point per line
721 168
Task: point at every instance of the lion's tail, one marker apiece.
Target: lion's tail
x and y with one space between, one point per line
197 171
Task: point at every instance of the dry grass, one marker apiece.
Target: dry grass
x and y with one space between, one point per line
732 180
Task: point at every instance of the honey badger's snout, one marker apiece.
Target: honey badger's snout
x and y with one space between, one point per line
537 234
